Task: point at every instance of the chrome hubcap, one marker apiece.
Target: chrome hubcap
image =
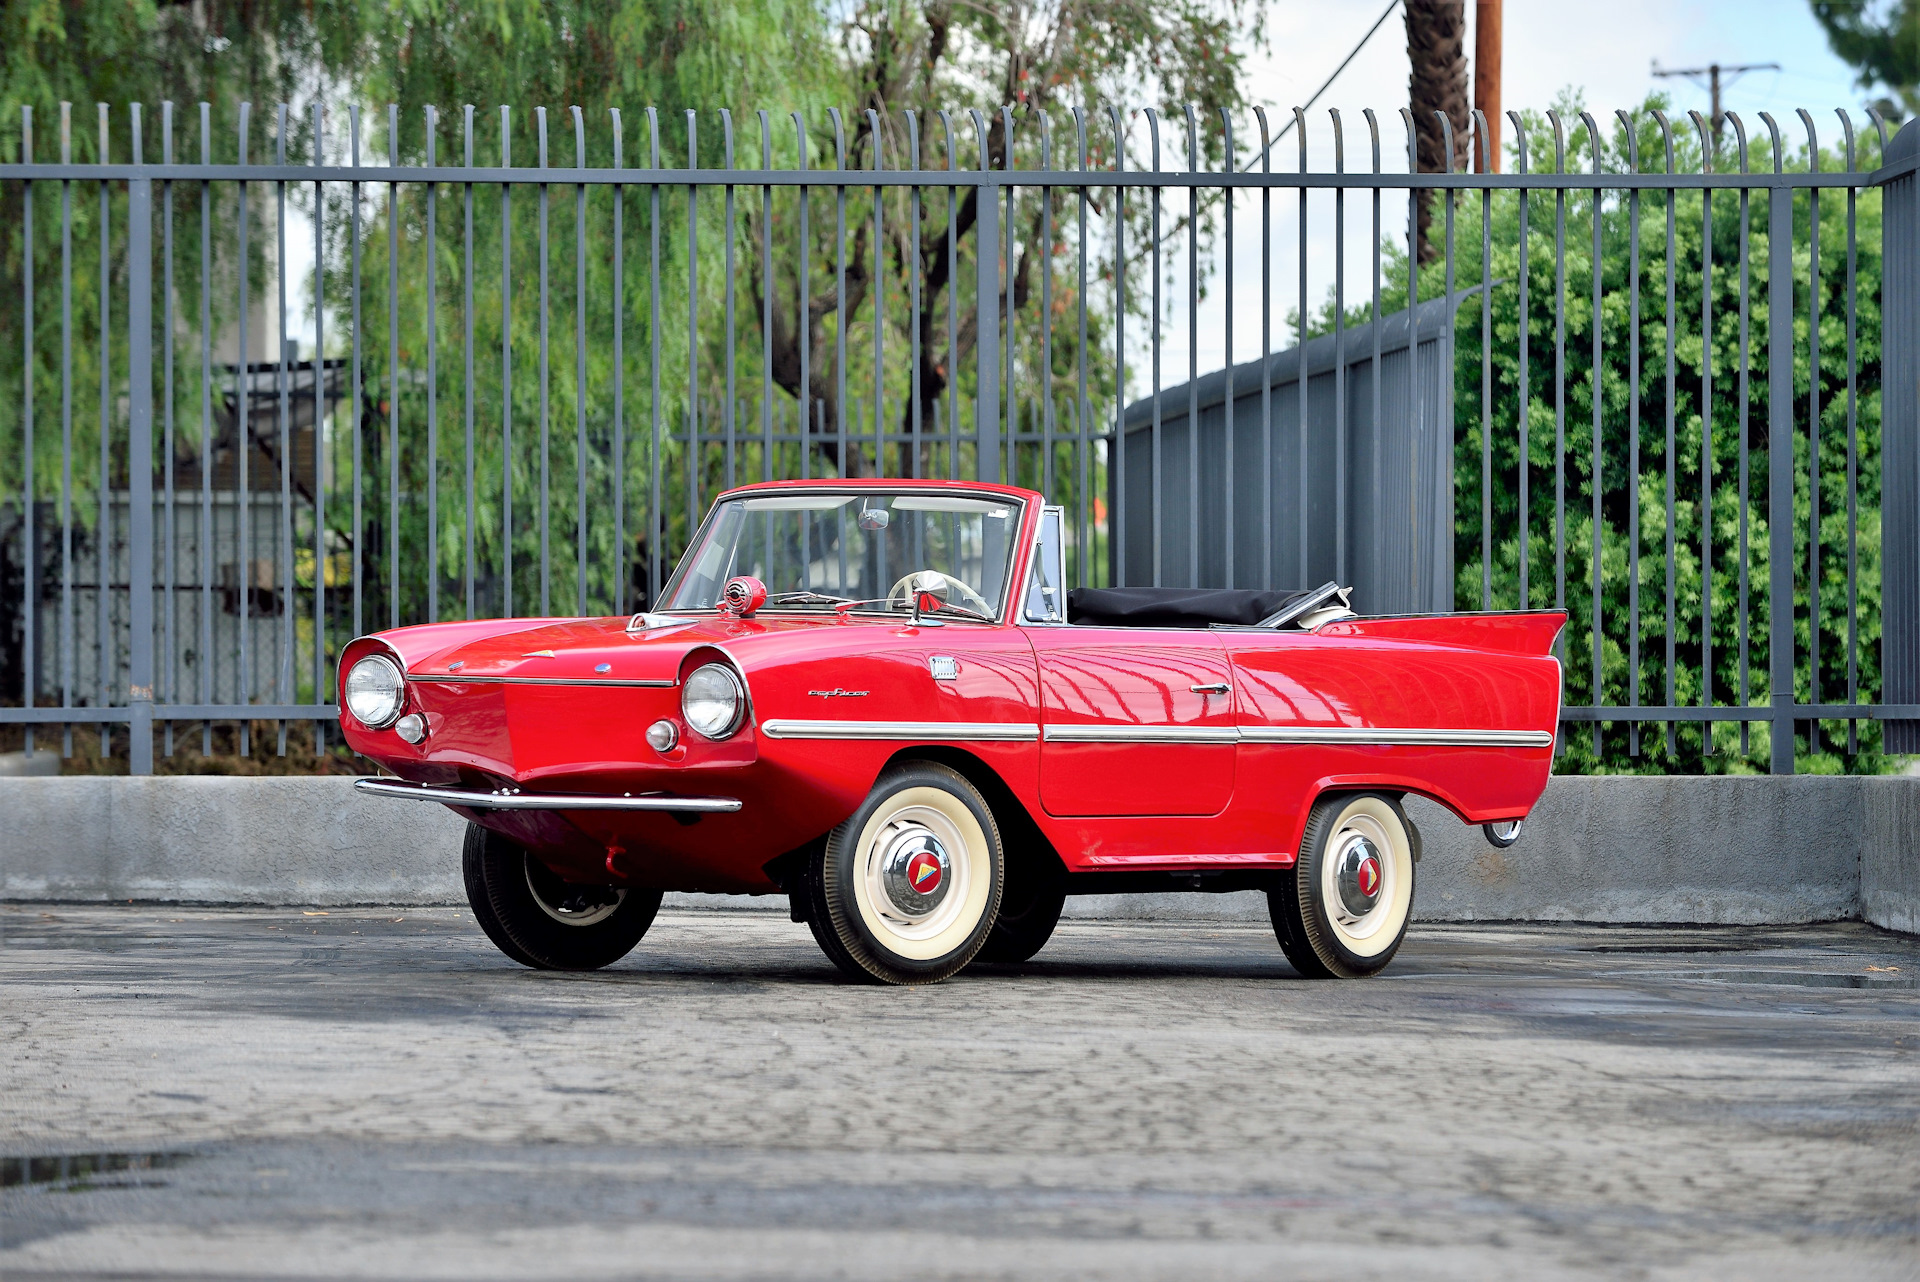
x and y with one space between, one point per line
915 869
1360 873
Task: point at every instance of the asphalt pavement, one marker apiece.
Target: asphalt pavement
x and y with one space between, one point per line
274 1093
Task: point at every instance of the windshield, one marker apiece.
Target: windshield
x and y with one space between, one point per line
816 550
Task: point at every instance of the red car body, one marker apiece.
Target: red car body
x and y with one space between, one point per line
1131 750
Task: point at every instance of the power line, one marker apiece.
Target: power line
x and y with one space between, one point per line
1713 71
1384 13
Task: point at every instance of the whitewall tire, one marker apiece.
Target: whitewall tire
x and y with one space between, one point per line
1343 910
907 889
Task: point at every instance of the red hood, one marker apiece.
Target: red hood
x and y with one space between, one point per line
573 649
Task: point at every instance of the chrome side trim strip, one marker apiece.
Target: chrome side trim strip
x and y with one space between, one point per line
944 730
540 801
1394 735
1142 734
455 678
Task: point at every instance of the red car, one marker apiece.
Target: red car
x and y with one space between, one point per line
879 698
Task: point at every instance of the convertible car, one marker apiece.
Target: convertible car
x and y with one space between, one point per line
878 698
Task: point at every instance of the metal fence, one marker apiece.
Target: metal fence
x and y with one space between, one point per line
201 510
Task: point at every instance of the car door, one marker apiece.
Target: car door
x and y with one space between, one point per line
1136 721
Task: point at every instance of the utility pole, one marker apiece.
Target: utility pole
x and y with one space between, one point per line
1713 72
1486 74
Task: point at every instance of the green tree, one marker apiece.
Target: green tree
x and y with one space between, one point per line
1881 42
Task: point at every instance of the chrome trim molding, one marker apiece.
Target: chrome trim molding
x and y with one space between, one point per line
461 679
517 800
998 730
1142 734
1413 736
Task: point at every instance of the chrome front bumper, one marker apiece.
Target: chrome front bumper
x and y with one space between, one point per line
515 800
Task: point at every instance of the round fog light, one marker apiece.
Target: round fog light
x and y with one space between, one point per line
662 735
412 727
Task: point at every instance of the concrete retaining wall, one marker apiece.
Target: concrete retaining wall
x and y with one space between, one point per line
1740 850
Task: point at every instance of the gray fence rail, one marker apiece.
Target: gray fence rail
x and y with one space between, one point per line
200 512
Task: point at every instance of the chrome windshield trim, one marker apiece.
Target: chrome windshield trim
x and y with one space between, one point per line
1410 736
1142 734
540 801
460 679
995 730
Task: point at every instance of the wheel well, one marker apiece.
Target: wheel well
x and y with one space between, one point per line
1031 859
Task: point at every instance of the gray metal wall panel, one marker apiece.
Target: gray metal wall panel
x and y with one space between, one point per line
1399 550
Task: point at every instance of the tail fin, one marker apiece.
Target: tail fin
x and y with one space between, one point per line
1517 632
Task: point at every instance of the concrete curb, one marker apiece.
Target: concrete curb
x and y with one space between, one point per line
1750 850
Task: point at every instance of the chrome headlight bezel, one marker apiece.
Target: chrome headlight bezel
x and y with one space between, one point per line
358 702
705 684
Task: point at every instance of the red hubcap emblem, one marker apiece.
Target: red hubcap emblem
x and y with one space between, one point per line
923 873
1369 876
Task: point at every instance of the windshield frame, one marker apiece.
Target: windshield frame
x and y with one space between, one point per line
1017 550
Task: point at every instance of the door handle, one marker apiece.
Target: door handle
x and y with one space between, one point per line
1214 687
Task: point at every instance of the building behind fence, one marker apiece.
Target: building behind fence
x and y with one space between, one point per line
527 381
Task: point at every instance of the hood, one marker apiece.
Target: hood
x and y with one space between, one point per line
575 649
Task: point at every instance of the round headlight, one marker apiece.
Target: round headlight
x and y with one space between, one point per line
375 691
712 701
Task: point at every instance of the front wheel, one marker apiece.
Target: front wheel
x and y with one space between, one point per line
539 920
906 890
1344 909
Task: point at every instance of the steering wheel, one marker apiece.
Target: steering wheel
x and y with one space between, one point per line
903 591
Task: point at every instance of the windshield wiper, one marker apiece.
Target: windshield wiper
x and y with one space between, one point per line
812 598
961 610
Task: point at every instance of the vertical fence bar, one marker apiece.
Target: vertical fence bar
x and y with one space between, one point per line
169 649
1228 521
803 416
139 463
466 352
1046 318
29 587
1374 324
1266 348
727 411
1008 369
580 366
916 335
656 530
766 304
546 445
623 556
1780 655
1482 148
1342 429
1853 441
243 446
319 435
1415 598
1082 411
1740 133
432 273
986 423
879 317
1117 457
1633 433
1707 738
1524 377
69 642
1813 433
1193 353
353 252
1300 352
393 356
506 370
1560 400
105 650
1597 479
205 686
283 393
1672 197
1159 463
694 460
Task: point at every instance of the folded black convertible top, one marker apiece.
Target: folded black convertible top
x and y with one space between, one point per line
1175 607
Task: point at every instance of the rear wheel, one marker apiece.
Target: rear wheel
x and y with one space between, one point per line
1344 910
905 891
1025 923
539 920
